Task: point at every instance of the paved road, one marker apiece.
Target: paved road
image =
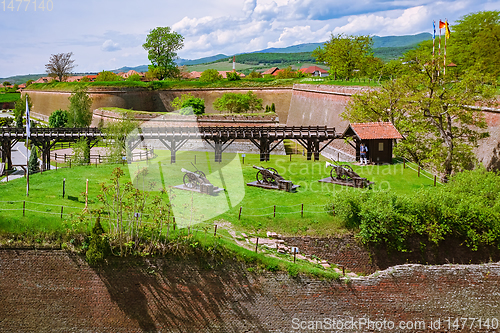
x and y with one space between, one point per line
19 154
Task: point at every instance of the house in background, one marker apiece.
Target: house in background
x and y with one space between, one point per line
271 71
378 137
315 71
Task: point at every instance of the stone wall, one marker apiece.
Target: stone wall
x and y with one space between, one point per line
46 102
54 291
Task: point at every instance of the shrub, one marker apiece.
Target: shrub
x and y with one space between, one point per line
58 118
134 77
254 75
232 76
107 76
81 152
6 122
98 244
188 104
210 75
238 102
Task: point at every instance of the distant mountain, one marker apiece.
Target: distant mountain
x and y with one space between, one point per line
186 62
141 68
386 41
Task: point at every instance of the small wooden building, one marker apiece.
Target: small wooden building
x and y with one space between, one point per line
378 137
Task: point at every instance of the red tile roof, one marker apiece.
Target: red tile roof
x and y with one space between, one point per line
370 131
312 69
270 71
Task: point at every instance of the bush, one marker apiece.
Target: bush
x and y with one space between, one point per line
58 118
81 152
188 104
134 77
98 244
468 207
210 75
107 76
232 76
254 75
6 122
238 102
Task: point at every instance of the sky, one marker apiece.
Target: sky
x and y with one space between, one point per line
108 34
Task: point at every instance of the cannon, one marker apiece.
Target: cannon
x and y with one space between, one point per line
194 179
345 175
268 176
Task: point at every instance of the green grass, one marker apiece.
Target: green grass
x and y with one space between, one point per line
195 208
9 97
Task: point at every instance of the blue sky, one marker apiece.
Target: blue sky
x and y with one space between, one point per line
109 34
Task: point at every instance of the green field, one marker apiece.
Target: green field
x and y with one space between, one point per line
9 97
43 206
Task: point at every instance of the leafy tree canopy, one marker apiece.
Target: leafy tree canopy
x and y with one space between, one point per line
238 102
80 113
162 45
188 104
345 55
435 113
58 118
210 75
107 76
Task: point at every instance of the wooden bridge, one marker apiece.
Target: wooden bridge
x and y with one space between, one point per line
173 138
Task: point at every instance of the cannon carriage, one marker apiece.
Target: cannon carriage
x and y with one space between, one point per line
197 181
343 174
270 178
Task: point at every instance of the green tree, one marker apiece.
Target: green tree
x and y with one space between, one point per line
232 76
210 75
190 103
134 77
29 82
33 163
20 109
106 76
237 102
162 45
286 73
345 55
80 113
254 75
58 118
435 114
6 83
116 132
474 42
81 152
60 65
98 245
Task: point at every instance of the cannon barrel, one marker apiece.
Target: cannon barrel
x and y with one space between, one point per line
259 168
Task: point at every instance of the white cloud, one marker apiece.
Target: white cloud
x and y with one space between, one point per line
110 46
299 35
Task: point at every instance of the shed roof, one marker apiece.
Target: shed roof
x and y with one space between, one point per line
371 131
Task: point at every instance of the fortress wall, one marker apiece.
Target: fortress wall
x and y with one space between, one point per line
55 291
46 102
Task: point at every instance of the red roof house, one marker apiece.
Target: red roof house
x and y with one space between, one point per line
271 71
378 137
315 71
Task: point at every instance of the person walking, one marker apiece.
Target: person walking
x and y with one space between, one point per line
363 151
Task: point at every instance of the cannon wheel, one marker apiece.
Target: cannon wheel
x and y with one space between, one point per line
340 172
261 178
190 181
200 173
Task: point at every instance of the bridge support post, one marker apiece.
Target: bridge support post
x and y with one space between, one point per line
218 149
7 154
264 150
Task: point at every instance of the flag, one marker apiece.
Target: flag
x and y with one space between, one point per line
441 24
447 31
434 26
27 118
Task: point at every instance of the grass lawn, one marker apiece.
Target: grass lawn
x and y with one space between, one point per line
43 206
9 97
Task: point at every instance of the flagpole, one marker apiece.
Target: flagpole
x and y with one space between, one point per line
433 48
27 146
445 38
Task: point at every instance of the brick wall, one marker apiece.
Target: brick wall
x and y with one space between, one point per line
53 291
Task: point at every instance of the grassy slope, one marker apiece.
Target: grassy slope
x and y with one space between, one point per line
46 190
9 97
